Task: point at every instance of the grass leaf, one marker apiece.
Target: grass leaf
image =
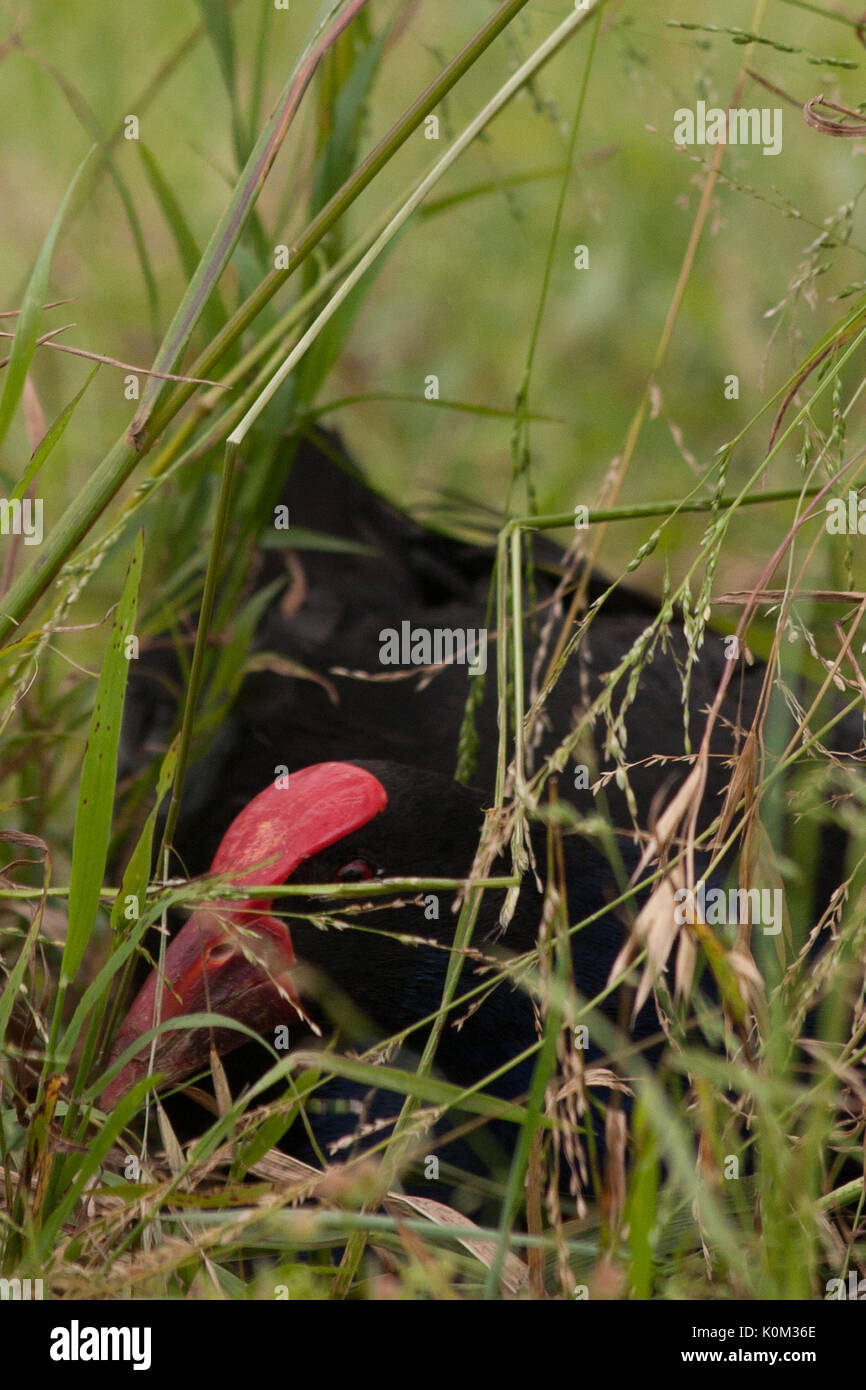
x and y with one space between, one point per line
96 795
27 323
92 126
217 21
213 314
91 1160
52 436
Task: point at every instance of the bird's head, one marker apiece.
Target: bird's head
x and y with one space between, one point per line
330 823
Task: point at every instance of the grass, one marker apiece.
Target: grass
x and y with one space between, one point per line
284 293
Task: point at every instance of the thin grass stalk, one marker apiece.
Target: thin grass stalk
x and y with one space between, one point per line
544 1067
522 403
215 559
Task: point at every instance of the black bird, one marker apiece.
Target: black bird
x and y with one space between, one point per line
393 570
359 822
332 617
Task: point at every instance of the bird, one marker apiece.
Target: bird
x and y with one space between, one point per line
380 974
308 713
317 690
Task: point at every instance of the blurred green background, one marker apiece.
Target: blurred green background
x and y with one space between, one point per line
459 294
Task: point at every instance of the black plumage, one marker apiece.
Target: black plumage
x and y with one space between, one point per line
330 616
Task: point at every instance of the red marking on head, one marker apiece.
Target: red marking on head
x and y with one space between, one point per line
234 958
283 826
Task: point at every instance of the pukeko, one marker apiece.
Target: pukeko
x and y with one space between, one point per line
331 618
386 750
360 822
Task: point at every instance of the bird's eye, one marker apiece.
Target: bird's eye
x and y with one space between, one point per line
356 871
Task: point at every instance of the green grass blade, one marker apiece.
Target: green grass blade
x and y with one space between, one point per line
96 796
214 314
365 173
257 81
217 22
52 436
16 974
428 1090
180 229
137 873
91 125
89 1001
132 890
300 538
338 159
90 1162
27 323
488 412
344 120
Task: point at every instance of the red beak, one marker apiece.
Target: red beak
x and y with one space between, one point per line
234 958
